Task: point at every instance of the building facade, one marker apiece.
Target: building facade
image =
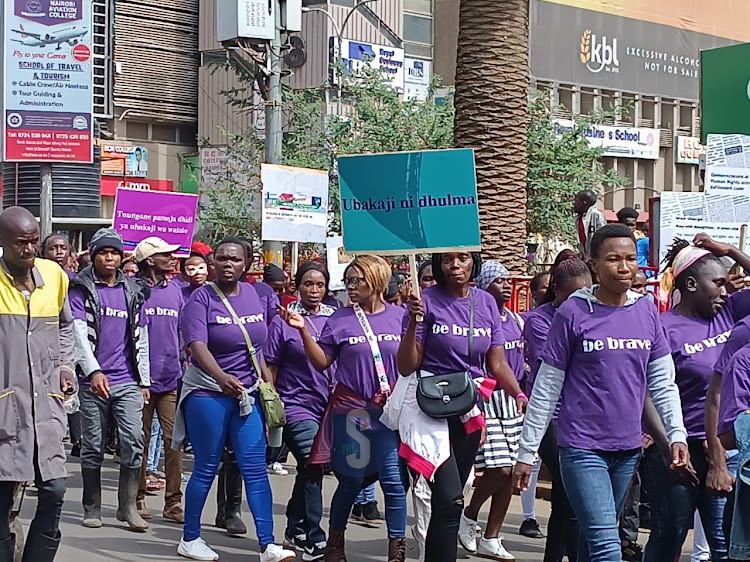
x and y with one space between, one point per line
594 54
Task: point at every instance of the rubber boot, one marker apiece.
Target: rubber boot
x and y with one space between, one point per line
92 497
229 510
130 479
335 550
42 548
7 549
397 550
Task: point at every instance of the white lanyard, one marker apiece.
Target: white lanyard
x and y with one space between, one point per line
372 339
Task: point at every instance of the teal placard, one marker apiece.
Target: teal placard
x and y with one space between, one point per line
409 202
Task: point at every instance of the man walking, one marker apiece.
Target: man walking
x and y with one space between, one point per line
162 312
112 352
36 354
590 219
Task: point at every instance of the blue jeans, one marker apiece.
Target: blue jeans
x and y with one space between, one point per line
209 421
155 445
305 508
366 495
359 453
673 510
597 483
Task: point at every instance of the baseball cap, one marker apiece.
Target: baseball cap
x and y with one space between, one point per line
151 246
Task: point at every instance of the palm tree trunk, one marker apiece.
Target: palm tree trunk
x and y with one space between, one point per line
492 78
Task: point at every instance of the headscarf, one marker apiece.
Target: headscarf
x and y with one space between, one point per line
491 270
683 260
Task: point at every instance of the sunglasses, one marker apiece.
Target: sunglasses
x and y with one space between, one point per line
193 270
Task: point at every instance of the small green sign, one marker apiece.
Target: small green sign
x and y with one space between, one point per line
189 173
725 91
409 202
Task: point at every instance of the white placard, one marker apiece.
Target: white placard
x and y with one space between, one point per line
417 77
295 204
617 141
728 164
337 261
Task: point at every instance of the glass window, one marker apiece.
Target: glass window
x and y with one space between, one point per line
417 29
415 50
163 133
135 130
419 6
188 134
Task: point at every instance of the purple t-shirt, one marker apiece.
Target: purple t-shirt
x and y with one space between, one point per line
114 353
303 390
444 332
735 390
535 331
514 352
205 319
71 274
605 352
162 312
187 291
269 299
344 339
740 338
696 345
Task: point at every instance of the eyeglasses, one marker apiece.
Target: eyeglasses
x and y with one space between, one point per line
353 281
193 270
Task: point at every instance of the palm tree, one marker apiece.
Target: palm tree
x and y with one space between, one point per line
492 78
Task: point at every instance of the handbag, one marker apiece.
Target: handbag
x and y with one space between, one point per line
451 394
270 401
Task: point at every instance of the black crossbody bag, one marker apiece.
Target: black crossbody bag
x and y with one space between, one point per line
452 394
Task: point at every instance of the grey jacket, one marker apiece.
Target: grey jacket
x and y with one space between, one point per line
593 220
36 345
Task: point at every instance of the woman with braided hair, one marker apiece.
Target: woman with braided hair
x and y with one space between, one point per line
568 274
696 328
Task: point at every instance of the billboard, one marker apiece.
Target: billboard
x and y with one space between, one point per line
688 150
130 161
601 48
47 81
356 55
618 141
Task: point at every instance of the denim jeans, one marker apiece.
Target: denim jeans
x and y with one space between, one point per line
209 421
366 495
305 508
740 528
597 483
154 445
673 510
359 453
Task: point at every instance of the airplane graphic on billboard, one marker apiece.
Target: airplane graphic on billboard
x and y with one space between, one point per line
69 35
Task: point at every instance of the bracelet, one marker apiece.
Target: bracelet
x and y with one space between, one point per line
522 395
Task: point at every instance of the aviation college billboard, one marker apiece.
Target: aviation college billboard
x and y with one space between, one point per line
47 81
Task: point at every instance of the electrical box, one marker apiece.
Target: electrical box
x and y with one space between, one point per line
291 15
245 19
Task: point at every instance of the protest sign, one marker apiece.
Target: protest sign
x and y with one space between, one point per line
170 216
295 204
728 165
336 261
409 202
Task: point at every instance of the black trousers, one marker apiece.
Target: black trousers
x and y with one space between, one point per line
441 544
562 529
46 521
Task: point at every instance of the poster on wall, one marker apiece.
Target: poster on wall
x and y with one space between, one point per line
47 81
295 204
417 77
131 161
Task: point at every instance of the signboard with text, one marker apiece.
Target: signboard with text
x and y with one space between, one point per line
688 150
417 77
618 141
47 81
409 202
131 161
170 216
356 55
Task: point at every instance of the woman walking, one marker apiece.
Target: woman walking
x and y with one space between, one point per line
364 339
305 392
605 348
461 333
696 328
224 325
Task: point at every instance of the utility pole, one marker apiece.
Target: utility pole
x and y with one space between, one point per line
273 252
45 201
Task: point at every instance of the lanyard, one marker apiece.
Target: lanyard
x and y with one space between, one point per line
372 339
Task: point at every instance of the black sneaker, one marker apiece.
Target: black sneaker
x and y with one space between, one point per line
530 528
298 542
357 512
370 512
312 553
633 552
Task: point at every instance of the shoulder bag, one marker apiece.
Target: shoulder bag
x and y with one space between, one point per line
451 394
270 401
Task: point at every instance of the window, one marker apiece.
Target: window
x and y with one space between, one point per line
188 134
417 29
163 133
135 130
420 51
418 6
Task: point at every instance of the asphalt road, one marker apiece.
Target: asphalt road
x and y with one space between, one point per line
113 542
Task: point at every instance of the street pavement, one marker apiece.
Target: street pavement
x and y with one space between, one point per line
113 543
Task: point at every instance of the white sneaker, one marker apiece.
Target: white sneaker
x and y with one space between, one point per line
493 549
196 550
275 553
467 534
277 469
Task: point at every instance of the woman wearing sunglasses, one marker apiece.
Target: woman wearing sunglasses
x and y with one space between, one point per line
195 270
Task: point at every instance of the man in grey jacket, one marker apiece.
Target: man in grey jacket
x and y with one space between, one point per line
36 354
590 219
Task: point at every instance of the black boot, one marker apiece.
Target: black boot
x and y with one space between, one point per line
41 548
7 549
92 497
232 489
130 479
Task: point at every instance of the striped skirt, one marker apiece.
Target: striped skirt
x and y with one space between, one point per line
504 425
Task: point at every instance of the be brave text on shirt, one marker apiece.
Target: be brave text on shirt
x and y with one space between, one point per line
615 344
